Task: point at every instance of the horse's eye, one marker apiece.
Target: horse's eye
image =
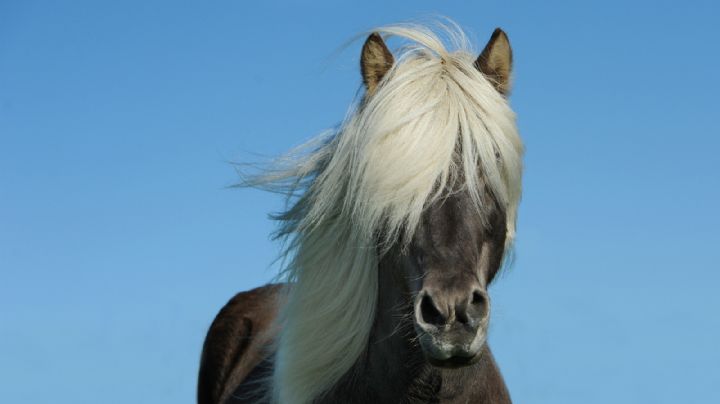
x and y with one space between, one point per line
419 258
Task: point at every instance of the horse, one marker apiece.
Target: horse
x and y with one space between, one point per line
397 223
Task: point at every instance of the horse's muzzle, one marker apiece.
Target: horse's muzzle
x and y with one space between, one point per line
451 327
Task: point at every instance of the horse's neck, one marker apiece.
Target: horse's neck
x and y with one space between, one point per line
393 370
385 376
394 363
391 363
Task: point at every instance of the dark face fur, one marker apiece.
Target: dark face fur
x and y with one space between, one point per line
451 260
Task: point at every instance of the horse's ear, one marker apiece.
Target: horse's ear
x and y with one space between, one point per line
375 61
495 61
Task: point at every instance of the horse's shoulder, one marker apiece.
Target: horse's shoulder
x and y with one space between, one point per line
237 341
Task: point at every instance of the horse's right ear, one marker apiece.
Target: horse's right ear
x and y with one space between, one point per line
375 61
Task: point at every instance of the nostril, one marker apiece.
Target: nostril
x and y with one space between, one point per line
477 299
429 313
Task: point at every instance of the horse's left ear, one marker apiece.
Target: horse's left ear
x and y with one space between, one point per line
495 61
375 61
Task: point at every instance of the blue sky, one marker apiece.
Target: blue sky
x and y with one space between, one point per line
119 240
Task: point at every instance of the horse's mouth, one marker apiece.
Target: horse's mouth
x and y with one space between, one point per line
454 362
454 355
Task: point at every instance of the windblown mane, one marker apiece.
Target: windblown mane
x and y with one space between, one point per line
364 186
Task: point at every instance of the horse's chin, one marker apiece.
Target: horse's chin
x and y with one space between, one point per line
457 354
454 362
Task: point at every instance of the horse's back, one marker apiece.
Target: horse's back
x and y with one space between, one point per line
236 346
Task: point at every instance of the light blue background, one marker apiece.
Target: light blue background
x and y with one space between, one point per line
119 241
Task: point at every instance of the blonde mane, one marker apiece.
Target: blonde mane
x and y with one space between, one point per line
433 118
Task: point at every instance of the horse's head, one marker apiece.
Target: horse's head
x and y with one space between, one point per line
448 266
455 250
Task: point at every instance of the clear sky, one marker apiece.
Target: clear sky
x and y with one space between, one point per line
119 240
